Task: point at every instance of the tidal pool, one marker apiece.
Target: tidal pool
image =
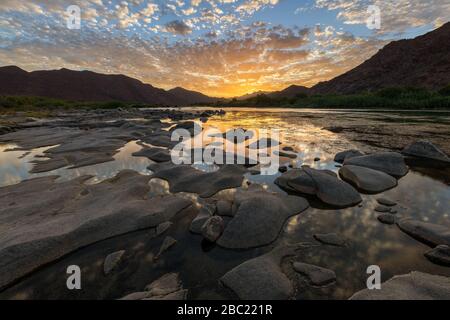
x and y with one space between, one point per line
422 194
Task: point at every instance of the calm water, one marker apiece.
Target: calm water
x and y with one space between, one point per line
421 194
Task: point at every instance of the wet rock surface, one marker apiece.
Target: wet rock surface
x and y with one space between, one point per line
439 255
259 218
412 286
428 233
391 163
366 179
42 220
427 150
316 275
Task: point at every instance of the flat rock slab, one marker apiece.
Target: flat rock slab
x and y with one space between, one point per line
261 278
391 163
366 179
316 275
259 218
412 286
184 178
428 233
331 239
426 150
154 154
439 255
41 220
386 202
330 189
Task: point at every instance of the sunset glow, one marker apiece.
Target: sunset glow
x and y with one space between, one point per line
222 48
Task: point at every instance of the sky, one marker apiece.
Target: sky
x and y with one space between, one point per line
222 48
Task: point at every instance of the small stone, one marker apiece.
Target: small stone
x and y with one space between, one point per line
213 228
332 239
112 260
341 156
439 255
164 285
167 243
163 227
386 218
386 202
318 276
198 222
382 209
316 159
282 169
224 208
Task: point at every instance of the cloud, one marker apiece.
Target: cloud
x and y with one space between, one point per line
178 27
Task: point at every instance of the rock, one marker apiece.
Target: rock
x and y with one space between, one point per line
224 208
285 154
261 278
184 178
412 286
282 169
168 287
288 149
163 227
326 187
112 260
213 228
154 154
428 233
426 150
348 154
198 222
317 159
331 239
259 218
386 202
366 179
166 245
391 163
386 218
382 209
204 119
51 219
318 276
439 255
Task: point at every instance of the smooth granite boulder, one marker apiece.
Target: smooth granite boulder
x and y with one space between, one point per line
428 233
366 179
391 163
426 150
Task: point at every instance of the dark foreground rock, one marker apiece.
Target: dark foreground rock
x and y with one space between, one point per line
391 163
366 179
316 275
213 228
412 286
259 218
41 220
386 218
261 278
428 233
112 260
426 150
439 255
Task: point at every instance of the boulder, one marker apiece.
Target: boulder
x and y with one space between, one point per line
224 208
198 222
391 163
366 179
428 233
347 154
212 229
259 218
386 218
426 150
439 255
331 239
386 202
412 286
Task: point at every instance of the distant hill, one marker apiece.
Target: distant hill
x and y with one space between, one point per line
190 97
252 95
420 62
90 86
290 92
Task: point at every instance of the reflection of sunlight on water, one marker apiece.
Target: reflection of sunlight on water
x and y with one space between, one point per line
13 169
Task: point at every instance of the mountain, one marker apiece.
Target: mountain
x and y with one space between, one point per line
290 92
252 95
190 97
89 86
420 62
